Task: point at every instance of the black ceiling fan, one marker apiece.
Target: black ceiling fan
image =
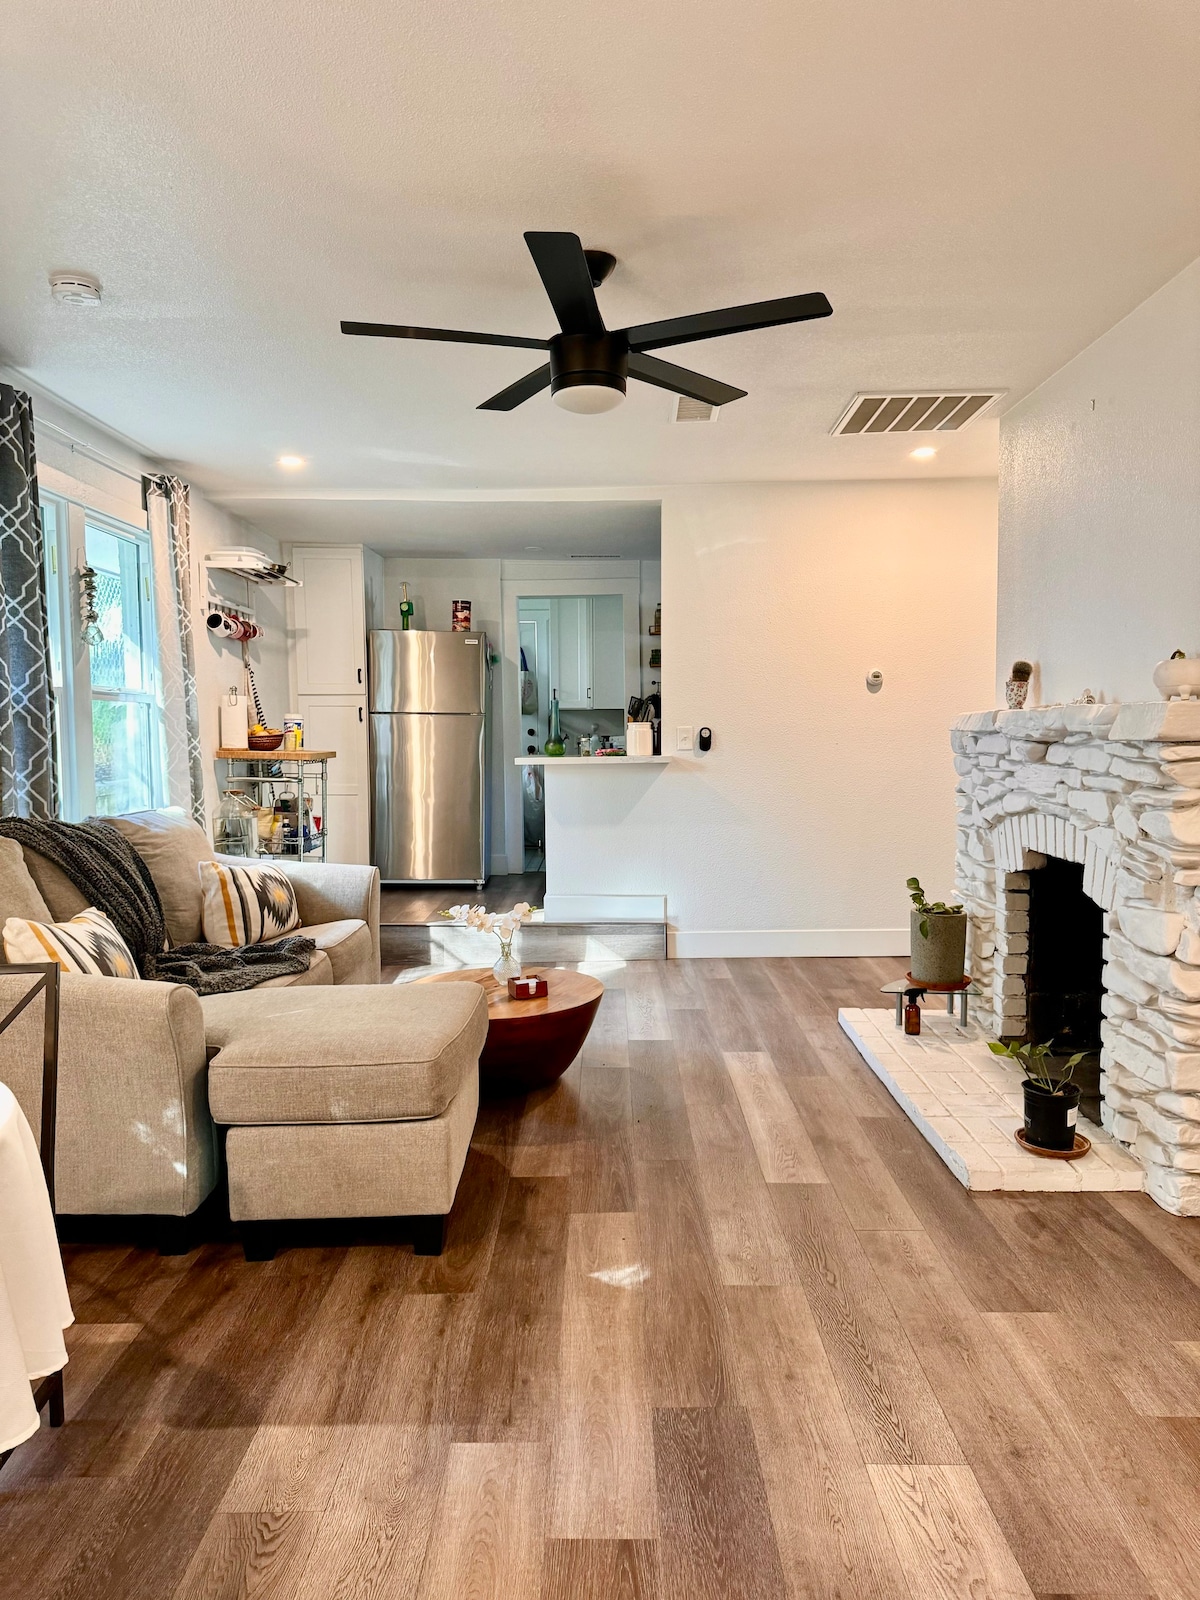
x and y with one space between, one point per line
588 364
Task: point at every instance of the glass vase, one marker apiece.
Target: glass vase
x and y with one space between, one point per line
508 966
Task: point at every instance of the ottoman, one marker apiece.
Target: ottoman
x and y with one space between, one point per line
355 1101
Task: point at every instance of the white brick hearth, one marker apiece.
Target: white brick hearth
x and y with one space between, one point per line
967 1103
1117 788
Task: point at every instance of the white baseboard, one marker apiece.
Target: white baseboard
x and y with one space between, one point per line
751 942
606 908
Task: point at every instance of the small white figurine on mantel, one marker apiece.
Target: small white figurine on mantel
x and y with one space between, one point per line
1179 677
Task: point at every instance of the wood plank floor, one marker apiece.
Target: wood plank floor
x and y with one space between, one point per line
713 1323
419 904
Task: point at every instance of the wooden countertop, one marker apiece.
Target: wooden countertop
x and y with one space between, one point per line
275 755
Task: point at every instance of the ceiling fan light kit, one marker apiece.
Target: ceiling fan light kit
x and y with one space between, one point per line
589 365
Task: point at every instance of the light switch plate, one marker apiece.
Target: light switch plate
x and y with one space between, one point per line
683 738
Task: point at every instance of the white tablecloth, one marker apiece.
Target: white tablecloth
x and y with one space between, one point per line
34 1305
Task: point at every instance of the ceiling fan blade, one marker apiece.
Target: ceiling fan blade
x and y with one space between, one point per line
517 393
567 279
664 375
734 319
390 330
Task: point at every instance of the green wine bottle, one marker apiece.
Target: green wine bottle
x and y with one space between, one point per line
406 609
554 745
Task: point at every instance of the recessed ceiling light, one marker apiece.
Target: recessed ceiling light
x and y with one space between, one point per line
925 453
535 547
291 462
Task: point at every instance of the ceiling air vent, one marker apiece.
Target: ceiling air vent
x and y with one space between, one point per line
914 413
685 409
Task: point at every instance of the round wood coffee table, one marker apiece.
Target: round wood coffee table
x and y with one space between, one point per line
531 1043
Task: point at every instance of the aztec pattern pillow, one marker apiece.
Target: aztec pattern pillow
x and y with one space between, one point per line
246 905
87 943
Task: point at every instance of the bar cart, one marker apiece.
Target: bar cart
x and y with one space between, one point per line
283 794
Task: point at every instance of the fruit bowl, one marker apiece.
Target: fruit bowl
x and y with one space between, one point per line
270 740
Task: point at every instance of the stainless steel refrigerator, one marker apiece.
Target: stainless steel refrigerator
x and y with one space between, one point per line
429 700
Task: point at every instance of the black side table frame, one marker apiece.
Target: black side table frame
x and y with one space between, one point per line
49 1392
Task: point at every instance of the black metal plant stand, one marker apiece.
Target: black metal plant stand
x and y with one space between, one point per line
49 1392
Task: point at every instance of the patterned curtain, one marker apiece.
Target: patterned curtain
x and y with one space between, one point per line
168 509
28 763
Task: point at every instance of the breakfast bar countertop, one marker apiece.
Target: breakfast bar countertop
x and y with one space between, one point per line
591 761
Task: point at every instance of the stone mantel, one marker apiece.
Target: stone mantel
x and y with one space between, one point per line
1115 787
1137 720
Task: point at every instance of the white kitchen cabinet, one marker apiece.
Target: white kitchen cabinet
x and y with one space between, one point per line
571 651
588 651
338 722
330 620
340 597
608 652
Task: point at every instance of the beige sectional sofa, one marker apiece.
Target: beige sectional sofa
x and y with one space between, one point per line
316 1071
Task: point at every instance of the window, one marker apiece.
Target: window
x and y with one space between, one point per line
107 690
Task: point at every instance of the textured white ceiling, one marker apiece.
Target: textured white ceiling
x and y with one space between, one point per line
506 529
979 188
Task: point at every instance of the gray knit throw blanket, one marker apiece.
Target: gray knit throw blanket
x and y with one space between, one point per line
105 867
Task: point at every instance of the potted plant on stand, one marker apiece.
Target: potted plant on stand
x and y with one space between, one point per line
937 941
1051 1099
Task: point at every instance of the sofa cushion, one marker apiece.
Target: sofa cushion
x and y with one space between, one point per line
172 846
56 889
19 893
348 945
369 1053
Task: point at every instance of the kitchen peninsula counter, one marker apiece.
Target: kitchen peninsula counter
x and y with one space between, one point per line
591 761
595 838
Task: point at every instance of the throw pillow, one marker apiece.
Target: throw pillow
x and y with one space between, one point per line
246 905
87 943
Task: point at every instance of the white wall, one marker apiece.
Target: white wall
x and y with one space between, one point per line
1100 507
795 834
114 486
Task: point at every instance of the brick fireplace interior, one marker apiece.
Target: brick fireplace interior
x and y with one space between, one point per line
1064 980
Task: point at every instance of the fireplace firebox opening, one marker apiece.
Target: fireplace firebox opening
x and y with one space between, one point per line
1064 980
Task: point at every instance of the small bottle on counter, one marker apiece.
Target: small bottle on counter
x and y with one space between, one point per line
912 1015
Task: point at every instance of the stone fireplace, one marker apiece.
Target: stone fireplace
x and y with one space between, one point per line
1079 862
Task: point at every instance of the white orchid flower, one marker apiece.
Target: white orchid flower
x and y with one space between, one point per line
503 924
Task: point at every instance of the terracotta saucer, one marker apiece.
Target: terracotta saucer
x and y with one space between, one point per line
1080 1148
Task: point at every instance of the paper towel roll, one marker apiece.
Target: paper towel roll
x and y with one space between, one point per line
639 739
235 720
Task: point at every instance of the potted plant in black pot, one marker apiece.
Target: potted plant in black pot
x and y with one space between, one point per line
1051 1099
937 940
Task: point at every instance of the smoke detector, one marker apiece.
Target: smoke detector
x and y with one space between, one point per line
685 409
75 288
915 411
